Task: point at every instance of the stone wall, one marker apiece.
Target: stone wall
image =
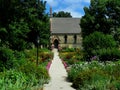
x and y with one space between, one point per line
70 41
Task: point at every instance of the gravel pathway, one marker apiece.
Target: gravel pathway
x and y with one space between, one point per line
58 75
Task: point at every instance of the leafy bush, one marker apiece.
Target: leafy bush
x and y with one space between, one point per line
10 78
24 77
17 80
107 54
6 58
100 45
98 40
90 76
31 68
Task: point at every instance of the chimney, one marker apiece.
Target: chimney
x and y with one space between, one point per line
51 12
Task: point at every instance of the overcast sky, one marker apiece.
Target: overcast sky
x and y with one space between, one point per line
75 7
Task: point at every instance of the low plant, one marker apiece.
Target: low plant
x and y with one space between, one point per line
6 58
31 68
43 56
95 75
13 80
72 57
16 80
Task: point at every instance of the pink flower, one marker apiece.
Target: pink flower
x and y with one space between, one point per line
65 65
48 65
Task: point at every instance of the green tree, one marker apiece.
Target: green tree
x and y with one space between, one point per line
101 15
17 35
38 22
62 14
21 21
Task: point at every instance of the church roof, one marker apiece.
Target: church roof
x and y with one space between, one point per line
65 26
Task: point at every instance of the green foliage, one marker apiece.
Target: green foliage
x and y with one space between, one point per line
24 75
101 45
13 80
38 23
21 22
100 29
6 58
71 55
101 15
98 40
31 68
107 54
17 80
62 14
44 55
3 34
95 75
18 35
68 50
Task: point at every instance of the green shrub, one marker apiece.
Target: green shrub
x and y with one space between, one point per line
81 78
31 68
74 71
13 80
107 54
6 58
96 41
17 80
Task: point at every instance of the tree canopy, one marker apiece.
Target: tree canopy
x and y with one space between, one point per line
101 29
62 14
103 16
21 22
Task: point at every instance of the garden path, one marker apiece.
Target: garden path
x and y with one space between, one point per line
58 75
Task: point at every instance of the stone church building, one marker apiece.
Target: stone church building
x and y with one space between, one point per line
65 32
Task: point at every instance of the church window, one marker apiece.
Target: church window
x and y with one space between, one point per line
75 39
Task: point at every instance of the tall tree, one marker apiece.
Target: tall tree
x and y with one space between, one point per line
39 24
62 14
100 28
101 15
22 21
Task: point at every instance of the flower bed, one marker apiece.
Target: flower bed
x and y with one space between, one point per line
71 56
95 75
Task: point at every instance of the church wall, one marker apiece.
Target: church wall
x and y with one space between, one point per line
70 41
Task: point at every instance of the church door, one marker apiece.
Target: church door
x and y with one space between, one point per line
56 43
